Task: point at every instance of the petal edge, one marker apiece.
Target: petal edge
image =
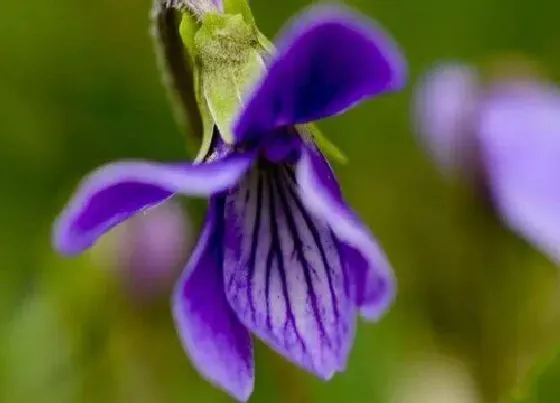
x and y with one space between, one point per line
329 59
374 284
115 192
219 346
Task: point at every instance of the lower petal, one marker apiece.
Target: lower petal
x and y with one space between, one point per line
218 344
372 280
117 191
283 273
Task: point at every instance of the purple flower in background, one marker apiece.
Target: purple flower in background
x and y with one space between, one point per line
281 255
149 249
445 109
513 126
520 140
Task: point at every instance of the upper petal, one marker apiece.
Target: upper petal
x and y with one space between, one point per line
328 60
520 139
372 280
283 273
116 191
218 344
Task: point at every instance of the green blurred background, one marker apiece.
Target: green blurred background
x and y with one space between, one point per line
79 87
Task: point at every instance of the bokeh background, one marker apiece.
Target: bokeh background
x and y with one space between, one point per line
477 306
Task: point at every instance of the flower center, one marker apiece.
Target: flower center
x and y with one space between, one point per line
282 146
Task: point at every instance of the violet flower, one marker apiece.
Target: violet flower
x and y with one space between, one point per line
281 255
510 131
445 110
150 248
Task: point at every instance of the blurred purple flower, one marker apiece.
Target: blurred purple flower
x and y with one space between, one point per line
520 140
444 108
514 127
281 255
151 247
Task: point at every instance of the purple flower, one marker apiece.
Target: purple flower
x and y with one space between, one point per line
520 141
150 248
512 132
281 255
445 107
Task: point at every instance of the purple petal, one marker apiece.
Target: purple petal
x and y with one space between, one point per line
117 191
283 273
520 138
328 60
445 105
218 344
372 280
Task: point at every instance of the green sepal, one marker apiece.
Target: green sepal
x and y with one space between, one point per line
242 7
176 61
188 29
230 62
234 7
266 45
207 120
225 90
323 143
